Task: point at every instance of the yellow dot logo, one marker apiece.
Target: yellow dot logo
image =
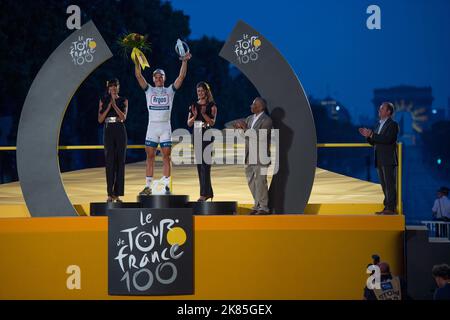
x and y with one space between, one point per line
257 43
92 44
176 236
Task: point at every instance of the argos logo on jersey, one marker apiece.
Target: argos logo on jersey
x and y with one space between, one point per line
160 100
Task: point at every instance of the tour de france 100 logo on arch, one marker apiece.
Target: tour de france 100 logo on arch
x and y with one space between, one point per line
247 48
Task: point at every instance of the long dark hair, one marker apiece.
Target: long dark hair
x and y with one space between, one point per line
205 86
112 82
106 97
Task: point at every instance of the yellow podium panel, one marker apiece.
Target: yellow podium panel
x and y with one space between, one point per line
236 257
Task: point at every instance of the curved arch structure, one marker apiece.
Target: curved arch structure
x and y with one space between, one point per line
42 115
289 108
82 52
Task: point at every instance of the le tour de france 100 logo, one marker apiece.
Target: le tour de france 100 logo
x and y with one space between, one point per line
247 49
150 253
82 51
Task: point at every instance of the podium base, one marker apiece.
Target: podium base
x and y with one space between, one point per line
99 208
216 208
163 201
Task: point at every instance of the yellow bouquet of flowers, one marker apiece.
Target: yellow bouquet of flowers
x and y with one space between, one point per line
137 44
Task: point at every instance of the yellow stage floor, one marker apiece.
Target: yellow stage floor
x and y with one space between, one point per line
332 193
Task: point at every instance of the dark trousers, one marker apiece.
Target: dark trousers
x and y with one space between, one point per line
387 175
204 175
115 141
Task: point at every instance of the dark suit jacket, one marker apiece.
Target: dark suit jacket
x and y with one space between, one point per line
263 122
385 144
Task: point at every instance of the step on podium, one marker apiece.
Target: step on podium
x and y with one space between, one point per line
220 208
163 201
204 208
100 208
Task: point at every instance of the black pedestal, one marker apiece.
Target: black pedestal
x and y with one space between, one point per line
205 208
99 208
163 201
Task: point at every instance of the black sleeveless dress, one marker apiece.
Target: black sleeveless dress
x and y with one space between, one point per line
115 142
208 112
204 169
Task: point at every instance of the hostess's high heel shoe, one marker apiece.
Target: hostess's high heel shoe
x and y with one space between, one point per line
209 197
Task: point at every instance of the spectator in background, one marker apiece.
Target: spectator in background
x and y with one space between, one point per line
441 212
441 207
375 260
441 274
391 288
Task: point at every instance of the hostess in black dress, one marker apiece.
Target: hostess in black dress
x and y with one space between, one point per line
204 169
115 142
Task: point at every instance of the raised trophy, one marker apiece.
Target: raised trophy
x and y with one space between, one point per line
181 48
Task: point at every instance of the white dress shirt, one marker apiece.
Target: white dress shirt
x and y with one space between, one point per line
255 118
382 122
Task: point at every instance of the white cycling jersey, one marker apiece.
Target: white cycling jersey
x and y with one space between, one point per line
159 103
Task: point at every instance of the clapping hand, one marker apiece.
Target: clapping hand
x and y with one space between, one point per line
365 132
194 111
239 124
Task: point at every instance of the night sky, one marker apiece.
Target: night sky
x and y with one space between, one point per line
332 51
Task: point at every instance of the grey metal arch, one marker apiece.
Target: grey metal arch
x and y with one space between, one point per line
40 123
291 113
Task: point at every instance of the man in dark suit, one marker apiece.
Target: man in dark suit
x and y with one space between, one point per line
255 168
384 140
